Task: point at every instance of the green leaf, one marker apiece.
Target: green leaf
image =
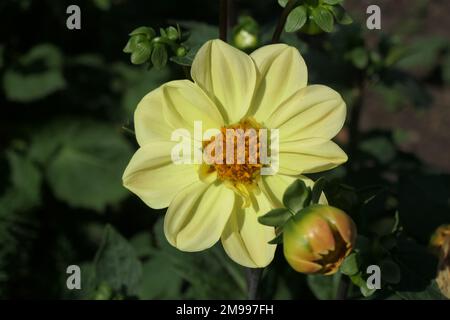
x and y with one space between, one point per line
390 271
380 148
297 196
341 16
283 3
88 283
46 54
163 33
423 53
24 189
359 57
159 56
324 287
333 2
431 292
103 4
317 190
276 217
191 268
84 162
26 88
141 52
350 266
359 281
116 263
159 280
296 19
142 243
341 196
22 84
323 18
418 270
278 238
25 177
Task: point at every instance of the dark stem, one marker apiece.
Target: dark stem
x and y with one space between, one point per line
223 19
280 26
232 19
344 284
355 117
253 278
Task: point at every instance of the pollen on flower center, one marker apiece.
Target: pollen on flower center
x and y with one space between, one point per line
236 153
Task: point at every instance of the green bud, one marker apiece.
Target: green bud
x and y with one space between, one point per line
245 40
246 33
181 51
141 53
133 41
172 33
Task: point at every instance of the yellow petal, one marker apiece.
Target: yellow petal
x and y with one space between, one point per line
227 75
313 112
197 216
244 239
186 103
309 156
149 122
281 72
154 178
274 187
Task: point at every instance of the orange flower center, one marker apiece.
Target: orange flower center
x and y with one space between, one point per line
236 153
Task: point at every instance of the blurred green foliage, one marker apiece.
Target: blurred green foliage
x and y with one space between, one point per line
68 99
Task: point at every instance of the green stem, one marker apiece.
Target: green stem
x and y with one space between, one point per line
281 22
223 19
344 284
128 130
253 280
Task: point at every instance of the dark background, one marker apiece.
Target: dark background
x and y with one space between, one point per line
67 97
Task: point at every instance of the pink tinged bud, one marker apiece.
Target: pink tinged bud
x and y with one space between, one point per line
318 239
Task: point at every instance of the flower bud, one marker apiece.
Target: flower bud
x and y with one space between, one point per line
181 51
245 40
440 243
172 33
318 239
246 34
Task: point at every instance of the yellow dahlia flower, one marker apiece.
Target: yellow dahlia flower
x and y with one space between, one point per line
267 89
